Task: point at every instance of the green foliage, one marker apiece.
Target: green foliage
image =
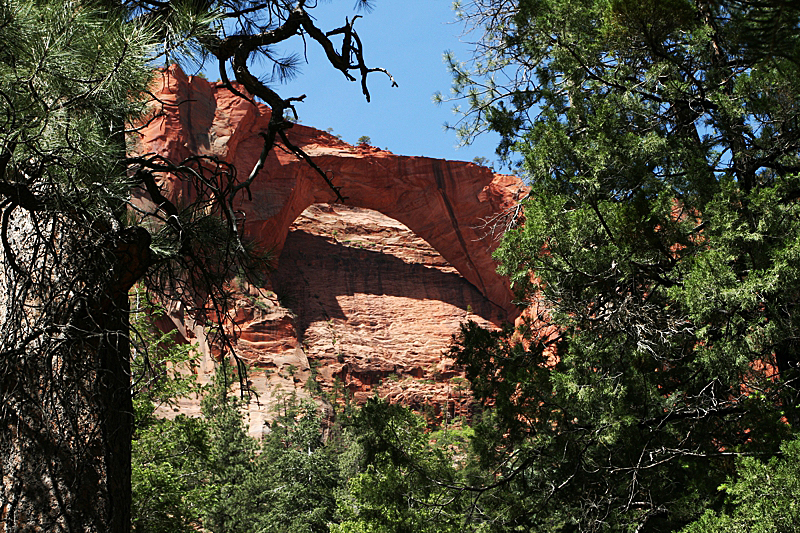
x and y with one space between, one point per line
231 462
67 72
75 237
162 369
762 498
301 473
168 471
401 483
169 475
482 161
662 231
207 472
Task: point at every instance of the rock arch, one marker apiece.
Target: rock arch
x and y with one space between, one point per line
450 204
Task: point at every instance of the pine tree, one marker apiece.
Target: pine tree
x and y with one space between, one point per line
73 80
68 74
657 255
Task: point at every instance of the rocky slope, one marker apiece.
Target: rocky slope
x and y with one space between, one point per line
365 294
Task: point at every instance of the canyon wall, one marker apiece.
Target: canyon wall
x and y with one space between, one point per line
365 294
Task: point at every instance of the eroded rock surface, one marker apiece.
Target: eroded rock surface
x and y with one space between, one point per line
375 295
376 305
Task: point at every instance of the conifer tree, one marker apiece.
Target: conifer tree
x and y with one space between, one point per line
657 254
74 80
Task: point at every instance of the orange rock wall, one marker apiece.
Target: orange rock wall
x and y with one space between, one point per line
376 306
450 204
440 220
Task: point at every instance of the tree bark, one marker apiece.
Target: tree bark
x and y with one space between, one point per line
67 413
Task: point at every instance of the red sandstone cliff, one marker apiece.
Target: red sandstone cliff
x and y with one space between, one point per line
370 298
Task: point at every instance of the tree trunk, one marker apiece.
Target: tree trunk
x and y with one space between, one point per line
67 413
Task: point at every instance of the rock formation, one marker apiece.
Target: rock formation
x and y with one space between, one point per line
370 291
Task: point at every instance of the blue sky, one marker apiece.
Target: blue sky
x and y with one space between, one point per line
408 38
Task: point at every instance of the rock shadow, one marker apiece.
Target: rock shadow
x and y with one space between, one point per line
313 271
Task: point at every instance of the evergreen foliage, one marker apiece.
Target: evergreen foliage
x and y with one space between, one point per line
168 474
402 476
762 498
209 473
652 387
74 81
302 473
657 250
71 75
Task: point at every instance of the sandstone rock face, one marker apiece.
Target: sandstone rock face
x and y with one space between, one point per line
376 286
376 305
